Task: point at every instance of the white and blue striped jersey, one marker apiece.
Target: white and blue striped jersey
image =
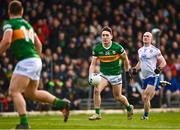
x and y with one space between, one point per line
148 60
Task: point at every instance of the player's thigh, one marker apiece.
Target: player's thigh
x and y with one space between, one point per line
143 94
117 90
18 83
150 91
32 88
102 85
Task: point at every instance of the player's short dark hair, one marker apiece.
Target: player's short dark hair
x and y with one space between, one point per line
15 7
106 28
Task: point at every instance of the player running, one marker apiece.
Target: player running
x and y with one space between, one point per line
109 53
27 48
151 62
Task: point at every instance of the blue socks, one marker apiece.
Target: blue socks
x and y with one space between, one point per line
146 114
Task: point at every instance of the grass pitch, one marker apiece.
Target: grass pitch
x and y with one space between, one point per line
158 121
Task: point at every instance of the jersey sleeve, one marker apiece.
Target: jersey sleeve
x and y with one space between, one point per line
94 52
158 53
7 26
121 49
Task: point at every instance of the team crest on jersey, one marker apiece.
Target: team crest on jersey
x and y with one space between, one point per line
114 52
145 50
151 51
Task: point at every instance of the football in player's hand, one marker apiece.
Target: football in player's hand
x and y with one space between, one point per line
94 79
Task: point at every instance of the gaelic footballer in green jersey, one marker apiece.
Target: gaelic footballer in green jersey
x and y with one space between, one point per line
110 59
23 48
111 55
22 39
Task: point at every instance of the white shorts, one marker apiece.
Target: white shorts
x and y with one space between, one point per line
30 67
113 79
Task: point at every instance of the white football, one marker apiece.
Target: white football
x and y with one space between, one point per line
95 79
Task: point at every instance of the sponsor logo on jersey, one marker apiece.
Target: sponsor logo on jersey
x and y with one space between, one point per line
101 53
107 53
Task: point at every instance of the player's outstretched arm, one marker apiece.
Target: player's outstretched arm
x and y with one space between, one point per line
126 66
6 41
126 61
161 64
92 65
92 68
137 67
134 70
38 44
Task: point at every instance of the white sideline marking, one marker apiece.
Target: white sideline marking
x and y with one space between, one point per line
76 112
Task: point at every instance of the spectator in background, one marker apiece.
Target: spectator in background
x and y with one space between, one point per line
107 93
171 91
70 92
42 30
81 82
134 92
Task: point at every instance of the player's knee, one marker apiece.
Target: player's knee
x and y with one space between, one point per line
145 98
97 92
118 97
12 92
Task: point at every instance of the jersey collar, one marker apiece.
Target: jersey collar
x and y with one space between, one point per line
148 46
16 17
108 46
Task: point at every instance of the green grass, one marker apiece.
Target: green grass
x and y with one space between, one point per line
158 121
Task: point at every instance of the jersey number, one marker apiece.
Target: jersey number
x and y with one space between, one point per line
29 34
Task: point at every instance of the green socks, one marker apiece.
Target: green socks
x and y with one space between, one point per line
97 110
23 120
58 103
128 108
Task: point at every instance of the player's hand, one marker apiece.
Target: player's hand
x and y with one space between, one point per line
133 71
157 71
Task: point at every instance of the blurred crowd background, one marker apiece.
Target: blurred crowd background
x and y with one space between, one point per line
69 29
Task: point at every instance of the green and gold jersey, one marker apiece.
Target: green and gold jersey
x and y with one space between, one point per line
110 58
22 39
